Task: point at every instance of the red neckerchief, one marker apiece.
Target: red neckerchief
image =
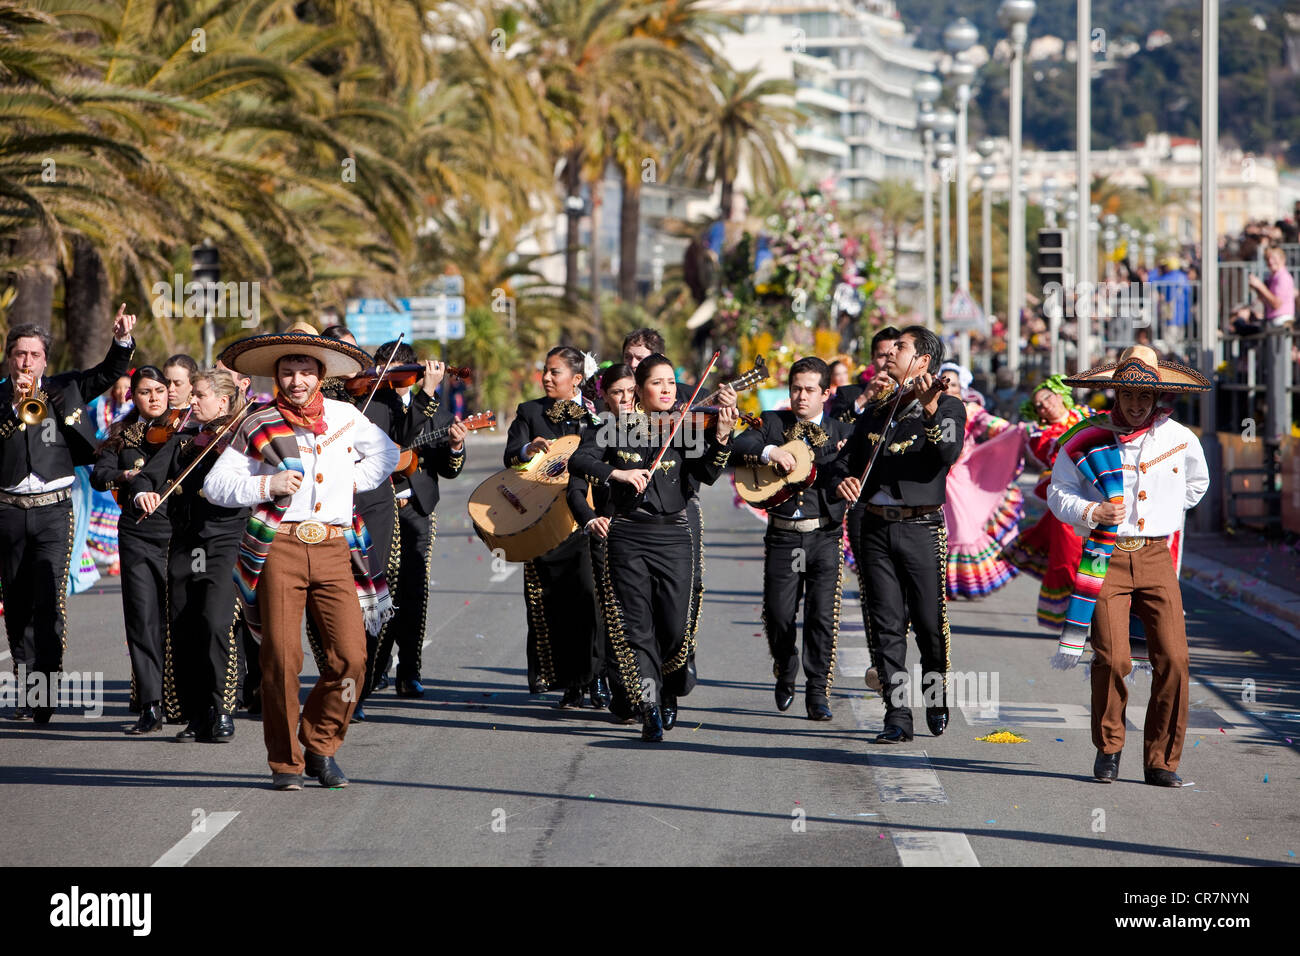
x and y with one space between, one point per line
1126 431
310 416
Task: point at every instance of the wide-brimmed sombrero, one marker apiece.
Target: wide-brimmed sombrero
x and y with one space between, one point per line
1139 367
258 354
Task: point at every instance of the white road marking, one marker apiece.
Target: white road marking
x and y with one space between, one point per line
4 656
906 778
1028 716
194 841
852 661
504 575
934 849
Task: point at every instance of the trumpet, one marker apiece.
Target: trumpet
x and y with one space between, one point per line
31 410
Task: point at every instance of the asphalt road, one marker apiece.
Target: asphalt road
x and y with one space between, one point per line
482 773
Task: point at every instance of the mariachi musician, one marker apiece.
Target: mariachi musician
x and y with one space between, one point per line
802 553
417 497
564 645
201 672
902 548
618 392
130 445
378 506
649 541
36 484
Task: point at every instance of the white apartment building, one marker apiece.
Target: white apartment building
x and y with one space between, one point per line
854 68
1249 186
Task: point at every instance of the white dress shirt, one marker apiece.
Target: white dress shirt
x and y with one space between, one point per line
352 455
1164 475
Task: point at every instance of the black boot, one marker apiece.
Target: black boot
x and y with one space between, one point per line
668 711
151 719
652 726
600 693
218 729
572 698
192 731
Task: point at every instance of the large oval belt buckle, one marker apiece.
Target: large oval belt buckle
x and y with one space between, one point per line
310 532
1129 543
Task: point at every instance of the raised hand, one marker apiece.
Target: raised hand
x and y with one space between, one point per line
123 323
433 373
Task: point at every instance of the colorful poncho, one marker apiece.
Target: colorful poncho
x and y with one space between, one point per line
1095 452
268 438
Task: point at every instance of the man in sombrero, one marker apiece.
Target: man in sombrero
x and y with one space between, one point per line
297 462
1124 481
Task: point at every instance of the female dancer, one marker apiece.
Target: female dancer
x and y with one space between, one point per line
1050 550
649 538
142 544
564 647
201 669
618 392
983 504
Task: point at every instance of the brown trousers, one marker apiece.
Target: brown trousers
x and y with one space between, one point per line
1146 578
317 577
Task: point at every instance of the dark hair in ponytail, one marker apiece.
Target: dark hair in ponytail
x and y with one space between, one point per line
572 358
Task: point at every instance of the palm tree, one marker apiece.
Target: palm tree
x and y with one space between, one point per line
896 205
739 125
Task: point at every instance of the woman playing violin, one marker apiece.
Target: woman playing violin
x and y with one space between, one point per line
650 542
202 662
142 544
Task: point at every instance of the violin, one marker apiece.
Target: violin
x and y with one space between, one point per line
706 416
164 426
398 376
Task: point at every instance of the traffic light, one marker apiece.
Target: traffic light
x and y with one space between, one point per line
207 262
1051 259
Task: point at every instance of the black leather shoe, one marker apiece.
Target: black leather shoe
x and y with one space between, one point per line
622 709
286 781
325 770
409 688
253 702
893 735
784 695
219 729
668 712
1162 778
600 693
191 731
819 708
383 683
573 697
22 713
1106 767
150 722
42 715
936 718
652 724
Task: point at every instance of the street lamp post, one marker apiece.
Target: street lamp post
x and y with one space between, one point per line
959 36
926 90
986 171
944 123
1083 145
1014 16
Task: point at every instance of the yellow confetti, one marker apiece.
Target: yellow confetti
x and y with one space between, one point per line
1003 737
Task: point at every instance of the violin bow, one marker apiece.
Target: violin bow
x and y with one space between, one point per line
176 482
380 377
889 424
681 418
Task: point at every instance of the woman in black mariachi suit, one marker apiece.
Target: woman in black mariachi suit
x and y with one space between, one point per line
649 544
618 391
564 648
143 544
201 673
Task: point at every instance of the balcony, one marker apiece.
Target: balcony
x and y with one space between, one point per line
820 141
